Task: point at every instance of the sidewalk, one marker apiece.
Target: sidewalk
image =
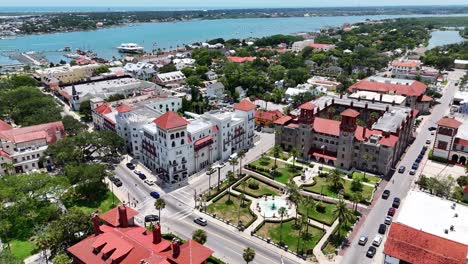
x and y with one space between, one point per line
321 258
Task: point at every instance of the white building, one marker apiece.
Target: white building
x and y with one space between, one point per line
66 74
451 141
461 64
214 90
211 75
460 102
298 46
171 79
175 147
183 63
141 70
405 66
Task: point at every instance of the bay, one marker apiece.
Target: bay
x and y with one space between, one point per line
441 38
167 35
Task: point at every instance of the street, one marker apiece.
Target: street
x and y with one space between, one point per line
226 241
400 183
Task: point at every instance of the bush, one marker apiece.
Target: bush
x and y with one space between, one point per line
438 159
320 208
253 185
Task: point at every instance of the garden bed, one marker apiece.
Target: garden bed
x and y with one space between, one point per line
284 171
325 215
263 188
321 186
230 211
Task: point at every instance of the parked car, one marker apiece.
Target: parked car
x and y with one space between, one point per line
401 169
151 218
418 160
362 240
428 141
396 202
424 148
155 195
415 166
412 172
200 221
118 182
377 240
150 182
391 211
432 128
371 252
142 176
388 220
382 229
130 166
385 194
112 178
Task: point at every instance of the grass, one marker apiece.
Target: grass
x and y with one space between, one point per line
290 235
22 249
327 217
334 241
283 155
369 178
229 211
263 188
328 190
283 173
102 202
215 190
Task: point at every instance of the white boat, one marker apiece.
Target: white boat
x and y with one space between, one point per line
130 48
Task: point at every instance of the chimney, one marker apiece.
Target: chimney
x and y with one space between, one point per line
333 101
156 234
381 97
123 220
387 108
351 104
393 103
341 96
96 228
364 133
373 99
366 106
175 248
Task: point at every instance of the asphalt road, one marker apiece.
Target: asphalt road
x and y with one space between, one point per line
227 243
402 182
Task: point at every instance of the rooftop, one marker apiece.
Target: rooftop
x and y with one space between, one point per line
389 85
378 97
46 131
170 120
434 215
245 105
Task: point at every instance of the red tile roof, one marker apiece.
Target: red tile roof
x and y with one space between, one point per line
24 134
465 189
203 140
170 120
112 216
327 126
307 106
449 122
321 153
283 120
426 98
245 105
268 115
4 154
461 141
123 108
4 126
415 246
319 46
103 109
350 113
411 64
191 252
415 89
240 59
215 129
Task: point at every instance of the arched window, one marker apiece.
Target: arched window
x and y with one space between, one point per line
172 136
182 134
182 141
173 144
177 135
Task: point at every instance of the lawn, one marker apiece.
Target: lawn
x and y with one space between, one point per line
283 155
229 211
103 202
290 235
283 173
22 249
369 178
327 217
263 188
215 190
334 241
321 185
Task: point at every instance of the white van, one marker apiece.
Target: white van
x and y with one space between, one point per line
233 156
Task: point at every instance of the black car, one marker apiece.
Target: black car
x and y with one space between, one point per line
131 166
142 176
118 182
432 128
151 218
200 221
382 229
112 178
396 202
385 194
401 169
371 252
415 166
418 160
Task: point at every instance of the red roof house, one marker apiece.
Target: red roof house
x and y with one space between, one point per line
415 246
267 117
307 106
245 105
122 242
416 88
170 120
103 109
51 132
123 108
4 126
449 122
240 59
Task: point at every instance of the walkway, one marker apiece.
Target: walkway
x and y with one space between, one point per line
321 258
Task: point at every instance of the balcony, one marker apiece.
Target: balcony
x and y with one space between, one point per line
182 169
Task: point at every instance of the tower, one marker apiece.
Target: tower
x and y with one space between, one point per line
346 144
306 121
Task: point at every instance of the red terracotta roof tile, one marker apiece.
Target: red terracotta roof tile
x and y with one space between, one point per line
268 115
415 246
412 64
30 133
283 120
245 105
327 126
170 120
103 109
415 89
4 126
449 122
322 153
191 252
307 106
203 140
112 216
319 45
4 154
123 108
240 59
461 141
215 129
350 113
426 98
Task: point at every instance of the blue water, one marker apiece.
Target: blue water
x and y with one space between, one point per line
440 38
167 35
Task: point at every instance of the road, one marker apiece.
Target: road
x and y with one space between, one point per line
402 182
227 243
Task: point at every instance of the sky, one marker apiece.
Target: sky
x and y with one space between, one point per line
226 3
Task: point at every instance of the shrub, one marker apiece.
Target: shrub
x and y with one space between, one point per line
253 185
320 208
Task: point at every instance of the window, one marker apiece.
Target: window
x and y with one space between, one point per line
442 145
172 136
182 134
173 144
182 141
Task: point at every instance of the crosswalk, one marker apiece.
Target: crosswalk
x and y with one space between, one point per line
186 204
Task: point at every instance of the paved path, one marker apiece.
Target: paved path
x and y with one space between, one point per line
321 258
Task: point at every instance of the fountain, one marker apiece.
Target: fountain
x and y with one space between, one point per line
269 207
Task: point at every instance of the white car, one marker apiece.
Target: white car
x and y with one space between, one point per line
428 141
377 240
388 220
150 182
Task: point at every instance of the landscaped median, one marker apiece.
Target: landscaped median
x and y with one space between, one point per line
255 187
335 240
319 211
282 172
229 208
294 238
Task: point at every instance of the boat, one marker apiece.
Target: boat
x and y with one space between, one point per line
130 48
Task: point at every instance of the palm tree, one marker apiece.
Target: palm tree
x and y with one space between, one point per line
276 152
281 212
8 167
279 132
234 162
200 236
219 177
209 172
294 153
230 178
334 177
241 204
308 203
356 198
240 155
342 212
249 255
159 204
294 196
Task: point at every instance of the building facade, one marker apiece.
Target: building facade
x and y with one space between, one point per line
23 147
451 141
348 133
66 74
170 79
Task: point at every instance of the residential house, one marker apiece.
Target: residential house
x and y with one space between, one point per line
211 75
451 140
170 79
141 70
266 118
215 90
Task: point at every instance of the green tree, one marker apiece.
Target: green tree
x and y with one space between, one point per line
231 178
308 202
294 196
282 213
241 156
200 236
298 75
233 162
367 159
334 177
87 179
85 110
276 152
61 258
342 212
356 185
73 126
248 255
159 204
276 72
241 204
194 81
